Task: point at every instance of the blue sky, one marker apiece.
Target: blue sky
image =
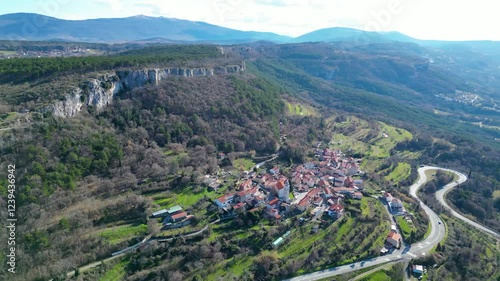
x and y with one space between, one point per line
425 19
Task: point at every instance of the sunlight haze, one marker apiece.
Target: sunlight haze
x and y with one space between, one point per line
423 19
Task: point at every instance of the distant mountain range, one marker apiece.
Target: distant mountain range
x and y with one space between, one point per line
23 26
145 29
35 27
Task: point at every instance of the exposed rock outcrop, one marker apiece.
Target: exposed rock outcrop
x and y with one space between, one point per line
100 92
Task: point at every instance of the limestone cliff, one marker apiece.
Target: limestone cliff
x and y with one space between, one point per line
100 92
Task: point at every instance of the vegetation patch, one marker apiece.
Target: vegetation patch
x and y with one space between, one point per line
299 109
243 164
406 228
401 172
124 232
117 272
496 194
7 53
380 275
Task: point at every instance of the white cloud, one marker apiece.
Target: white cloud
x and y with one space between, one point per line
116 5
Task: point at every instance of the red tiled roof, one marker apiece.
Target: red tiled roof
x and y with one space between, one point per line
280 185
239 205
394 235
179 215
322 182
336 207
346 189
247 192
274 201
246 184
224 198
304 201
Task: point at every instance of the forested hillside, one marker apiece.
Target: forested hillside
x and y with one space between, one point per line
76 174
23 69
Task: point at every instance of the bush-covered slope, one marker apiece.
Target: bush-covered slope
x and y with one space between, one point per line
79 176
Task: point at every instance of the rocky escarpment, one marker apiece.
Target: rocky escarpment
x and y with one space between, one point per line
100 92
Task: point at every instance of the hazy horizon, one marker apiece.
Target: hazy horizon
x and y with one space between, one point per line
421 19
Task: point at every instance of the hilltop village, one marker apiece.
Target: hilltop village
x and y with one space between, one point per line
319 187
318 190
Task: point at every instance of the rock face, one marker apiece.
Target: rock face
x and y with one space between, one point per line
100 92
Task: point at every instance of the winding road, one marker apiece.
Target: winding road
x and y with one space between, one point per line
440 195
421 248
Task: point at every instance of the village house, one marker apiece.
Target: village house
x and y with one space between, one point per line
344 190
309 181
167 212
282 189
302 188
327 193
394 239
357 195
259 198
274 214
225 201
275 170
160 213
317 201
336 211
247 184
388 197
265 179
297 179
305 202
418 269
352 169
273 203
396 205
349 182
239 207
359 183
338 181
175 217
245 195
323 183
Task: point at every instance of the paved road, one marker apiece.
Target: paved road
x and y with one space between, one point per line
418 249
438 230
440 195
274 156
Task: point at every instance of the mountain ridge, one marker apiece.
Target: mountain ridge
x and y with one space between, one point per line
37 27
